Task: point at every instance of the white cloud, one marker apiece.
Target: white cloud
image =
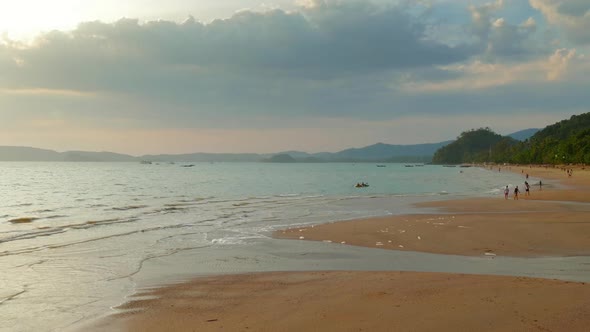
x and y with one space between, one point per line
530 23
479 75
499 23
498 38
571 15
559 63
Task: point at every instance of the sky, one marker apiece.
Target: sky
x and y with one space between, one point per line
180 76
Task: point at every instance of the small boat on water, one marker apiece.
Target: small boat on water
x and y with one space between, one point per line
381 166
409 165
145 162
361 185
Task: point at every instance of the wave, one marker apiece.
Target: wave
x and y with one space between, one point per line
97 205
65 228
24 220
21 205
169 209
55 216
11 296
129 207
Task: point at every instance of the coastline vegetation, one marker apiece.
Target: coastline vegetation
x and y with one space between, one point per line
565 142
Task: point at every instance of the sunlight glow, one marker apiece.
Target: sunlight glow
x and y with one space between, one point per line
24 19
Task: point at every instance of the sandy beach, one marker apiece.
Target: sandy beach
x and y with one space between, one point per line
361 301
550 222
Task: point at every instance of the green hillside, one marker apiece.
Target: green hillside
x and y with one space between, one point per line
567 141
475 146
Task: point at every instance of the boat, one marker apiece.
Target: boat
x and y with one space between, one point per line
381 166
361 185
409 165
145 162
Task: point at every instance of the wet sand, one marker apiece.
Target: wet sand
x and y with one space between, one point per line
361 301
549 223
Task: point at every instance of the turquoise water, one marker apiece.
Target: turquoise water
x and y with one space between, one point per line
57 192
77 238
93 194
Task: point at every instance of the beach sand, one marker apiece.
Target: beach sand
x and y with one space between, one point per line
548 223
361 301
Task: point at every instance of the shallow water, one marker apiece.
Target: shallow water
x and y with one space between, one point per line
77 238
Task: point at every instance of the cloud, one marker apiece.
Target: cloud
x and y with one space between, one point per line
559 63
481 17
324 39
573 16
499 38
479 75
326 58
326 61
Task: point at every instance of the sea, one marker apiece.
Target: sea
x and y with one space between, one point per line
78 239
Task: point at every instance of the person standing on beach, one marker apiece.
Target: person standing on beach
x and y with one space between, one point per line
516 193
540 185
527 189
506 192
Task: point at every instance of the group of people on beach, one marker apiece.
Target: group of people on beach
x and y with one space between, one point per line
517 191
507 192
527 189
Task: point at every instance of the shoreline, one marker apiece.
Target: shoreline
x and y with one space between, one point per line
550 222
268 301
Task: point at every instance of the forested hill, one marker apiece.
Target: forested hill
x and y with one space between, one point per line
476 145
567 141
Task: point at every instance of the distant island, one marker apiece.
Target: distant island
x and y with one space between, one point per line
378 153
281 158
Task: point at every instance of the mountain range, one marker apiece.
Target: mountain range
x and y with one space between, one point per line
379 152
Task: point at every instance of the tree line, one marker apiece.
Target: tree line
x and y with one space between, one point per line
565 142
